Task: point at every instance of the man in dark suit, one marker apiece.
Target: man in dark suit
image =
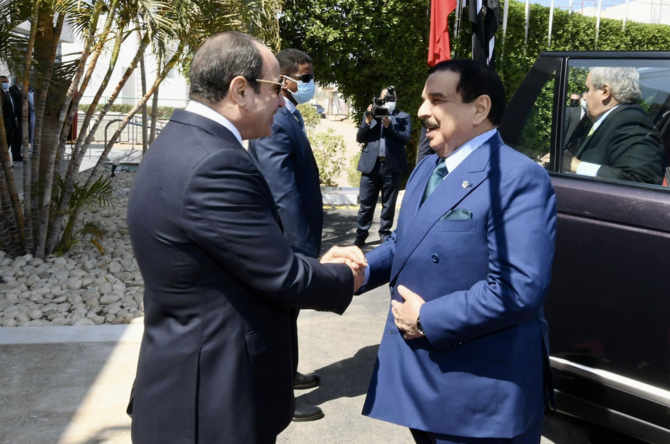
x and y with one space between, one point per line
573 114
464 355
220 276
382 161
286 160
8 113
622 142
17 136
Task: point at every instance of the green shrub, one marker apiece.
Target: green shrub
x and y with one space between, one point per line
329 150
353 175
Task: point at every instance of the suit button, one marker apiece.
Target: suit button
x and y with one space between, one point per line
436 258
392 290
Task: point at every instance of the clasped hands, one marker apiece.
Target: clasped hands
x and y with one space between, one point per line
353 257
570 162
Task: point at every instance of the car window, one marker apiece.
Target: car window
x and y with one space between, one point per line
620 127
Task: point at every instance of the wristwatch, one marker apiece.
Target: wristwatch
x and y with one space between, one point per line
419 328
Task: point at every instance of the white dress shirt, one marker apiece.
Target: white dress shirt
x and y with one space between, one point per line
463 151
205 111
591 169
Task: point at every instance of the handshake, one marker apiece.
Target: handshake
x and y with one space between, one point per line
353 257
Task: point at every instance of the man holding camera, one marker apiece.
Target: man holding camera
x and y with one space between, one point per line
385 130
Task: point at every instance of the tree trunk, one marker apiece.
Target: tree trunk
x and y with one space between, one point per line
11 206
145 116
54 232
27 149
94 104
48 185
6 206
154 106
40 105
173 61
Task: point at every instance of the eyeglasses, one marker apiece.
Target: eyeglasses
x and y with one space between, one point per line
277 85
305 78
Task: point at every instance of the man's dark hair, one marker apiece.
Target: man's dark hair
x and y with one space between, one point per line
477 79
290 61
4 77
219 60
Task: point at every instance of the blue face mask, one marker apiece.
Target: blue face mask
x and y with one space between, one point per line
305 91
5 86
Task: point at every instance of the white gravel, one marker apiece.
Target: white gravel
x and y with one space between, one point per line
83 287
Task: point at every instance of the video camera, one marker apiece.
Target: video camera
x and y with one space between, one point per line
380 108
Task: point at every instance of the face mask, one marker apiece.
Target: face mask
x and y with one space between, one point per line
574 102
391 107
5 86
305 92
583 103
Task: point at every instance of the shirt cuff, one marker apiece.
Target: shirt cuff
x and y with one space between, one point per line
367 276
588 169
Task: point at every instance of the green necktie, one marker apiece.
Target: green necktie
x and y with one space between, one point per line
439 173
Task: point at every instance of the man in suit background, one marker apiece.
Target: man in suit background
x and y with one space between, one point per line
215 363
573 114
464 359
286 160
17 136
382 161
8 114
622 142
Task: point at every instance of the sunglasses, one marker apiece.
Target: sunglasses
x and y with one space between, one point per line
276 86
305 78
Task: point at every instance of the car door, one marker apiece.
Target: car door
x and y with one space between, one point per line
608 306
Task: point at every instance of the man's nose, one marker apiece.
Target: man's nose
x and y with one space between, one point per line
282 101
424 111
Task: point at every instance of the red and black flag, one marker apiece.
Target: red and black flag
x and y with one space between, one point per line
486 18
438 47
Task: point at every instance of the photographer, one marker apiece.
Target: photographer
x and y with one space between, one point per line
385 130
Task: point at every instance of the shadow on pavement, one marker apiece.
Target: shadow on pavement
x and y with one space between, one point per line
344 379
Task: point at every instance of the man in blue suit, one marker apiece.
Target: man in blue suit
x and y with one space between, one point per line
464 354
286 160
382 161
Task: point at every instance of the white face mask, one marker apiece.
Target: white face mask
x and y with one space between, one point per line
391 107
583 103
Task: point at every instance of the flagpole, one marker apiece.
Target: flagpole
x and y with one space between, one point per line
505 15
600 6
625 17
551 21
457 29
527 23
570 8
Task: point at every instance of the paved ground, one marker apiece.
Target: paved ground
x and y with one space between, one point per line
70 385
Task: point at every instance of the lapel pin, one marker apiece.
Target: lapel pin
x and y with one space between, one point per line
465 184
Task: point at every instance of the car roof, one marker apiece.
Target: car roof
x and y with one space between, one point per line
608 54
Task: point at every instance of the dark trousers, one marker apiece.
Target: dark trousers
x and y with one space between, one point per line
293 313
531 436
16 142
379 179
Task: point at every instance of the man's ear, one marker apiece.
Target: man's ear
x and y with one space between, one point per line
482 108
239 90
607 91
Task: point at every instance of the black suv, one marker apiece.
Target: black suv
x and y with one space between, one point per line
609 302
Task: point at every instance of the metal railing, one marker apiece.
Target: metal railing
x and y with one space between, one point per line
132 131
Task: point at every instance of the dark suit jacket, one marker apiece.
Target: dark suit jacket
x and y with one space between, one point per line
424 146
287 163
8 115
17 95
480 370
396 137
215 363
573 114
627 145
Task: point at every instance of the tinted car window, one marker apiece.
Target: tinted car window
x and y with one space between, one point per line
621 131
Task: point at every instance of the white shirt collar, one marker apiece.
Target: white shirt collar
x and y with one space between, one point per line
205 111
289 105
463 151
602 118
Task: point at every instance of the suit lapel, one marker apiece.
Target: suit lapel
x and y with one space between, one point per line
413 194
295 124
447 196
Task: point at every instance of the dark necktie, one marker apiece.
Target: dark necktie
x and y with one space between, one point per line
439 173
298 117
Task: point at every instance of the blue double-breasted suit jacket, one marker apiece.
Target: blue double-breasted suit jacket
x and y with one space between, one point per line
481 370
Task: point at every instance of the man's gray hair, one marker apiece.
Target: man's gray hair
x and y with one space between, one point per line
624 82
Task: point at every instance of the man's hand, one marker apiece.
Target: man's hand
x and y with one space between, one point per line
386 122
352 256
368 115
544 161
407 314
570 162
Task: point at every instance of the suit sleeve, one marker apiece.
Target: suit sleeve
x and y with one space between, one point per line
274 155
362 134
380 261
400 129
521 230
226 213
635 153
